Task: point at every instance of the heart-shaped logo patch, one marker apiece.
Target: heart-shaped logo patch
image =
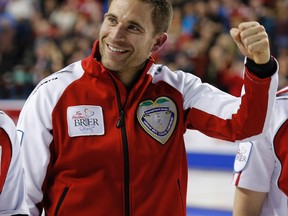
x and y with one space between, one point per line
158 118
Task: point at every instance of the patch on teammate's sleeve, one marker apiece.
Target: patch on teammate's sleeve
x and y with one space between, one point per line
242 156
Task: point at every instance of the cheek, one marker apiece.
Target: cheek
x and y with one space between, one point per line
103 30
143 51
145 47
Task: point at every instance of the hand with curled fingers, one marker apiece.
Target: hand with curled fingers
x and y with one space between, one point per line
252 40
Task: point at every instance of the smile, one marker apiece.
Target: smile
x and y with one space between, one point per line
113 49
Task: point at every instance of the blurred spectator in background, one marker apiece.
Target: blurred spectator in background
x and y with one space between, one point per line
41 36
283 71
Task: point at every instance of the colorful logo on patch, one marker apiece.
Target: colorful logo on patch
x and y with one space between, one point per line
158 118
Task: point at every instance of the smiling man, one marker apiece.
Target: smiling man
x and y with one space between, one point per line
128 36
107 134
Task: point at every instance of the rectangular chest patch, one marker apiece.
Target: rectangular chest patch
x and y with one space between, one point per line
85 120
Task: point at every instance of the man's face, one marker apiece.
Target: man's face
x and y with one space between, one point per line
127 35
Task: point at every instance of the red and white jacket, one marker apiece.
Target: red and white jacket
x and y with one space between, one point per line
93 148
262 165
12 190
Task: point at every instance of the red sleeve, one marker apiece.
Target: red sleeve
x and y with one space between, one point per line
281 151
5 156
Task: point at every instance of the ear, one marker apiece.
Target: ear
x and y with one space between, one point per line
159 41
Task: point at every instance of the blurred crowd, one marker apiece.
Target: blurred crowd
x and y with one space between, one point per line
39 37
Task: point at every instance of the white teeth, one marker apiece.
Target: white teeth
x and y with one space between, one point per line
116 50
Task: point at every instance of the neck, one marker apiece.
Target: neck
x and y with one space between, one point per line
130 76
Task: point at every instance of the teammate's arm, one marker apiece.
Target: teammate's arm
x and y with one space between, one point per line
247 202
5 157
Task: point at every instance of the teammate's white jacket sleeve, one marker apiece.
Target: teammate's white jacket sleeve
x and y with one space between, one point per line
12 197
254 165
257 167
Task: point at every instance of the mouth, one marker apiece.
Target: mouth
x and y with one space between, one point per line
116 50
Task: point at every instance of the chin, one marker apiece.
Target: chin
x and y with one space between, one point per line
110 67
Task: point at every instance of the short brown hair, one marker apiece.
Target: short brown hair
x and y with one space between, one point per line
162 14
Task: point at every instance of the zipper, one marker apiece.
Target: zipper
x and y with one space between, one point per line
120 121
121 125
62 197
180 194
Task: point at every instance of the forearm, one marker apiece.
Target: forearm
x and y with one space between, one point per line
247 202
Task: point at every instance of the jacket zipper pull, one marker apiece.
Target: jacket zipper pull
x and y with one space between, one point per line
121 119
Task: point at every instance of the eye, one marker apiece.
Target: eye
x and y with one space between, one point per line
134 28
111 20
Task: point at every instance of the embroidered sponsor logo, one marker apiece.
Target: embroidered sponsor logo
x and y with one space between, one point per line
85 120
242 156
158 118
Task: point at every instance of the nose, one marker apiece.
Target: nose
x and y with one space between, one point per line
118 33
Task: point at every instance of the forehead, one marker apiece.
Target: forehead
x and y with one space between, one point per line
132 10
